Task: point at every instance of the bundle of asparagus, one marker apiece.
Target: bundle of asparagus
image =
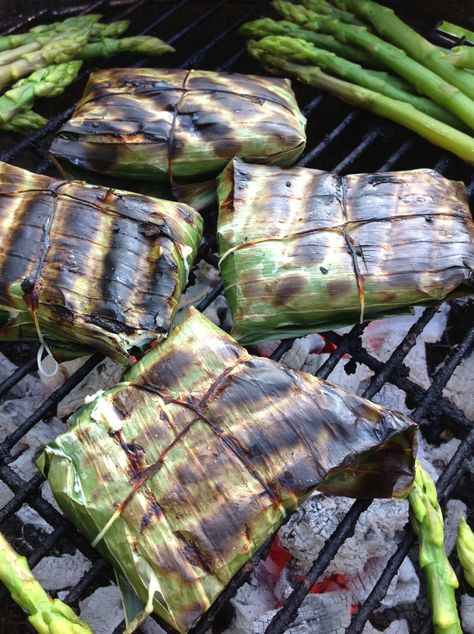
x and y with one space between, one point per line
179 125
56 51
443 114
83 265
303 250
185 468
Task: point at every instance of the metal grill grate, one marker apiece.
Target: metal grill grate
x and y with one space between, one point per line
340 139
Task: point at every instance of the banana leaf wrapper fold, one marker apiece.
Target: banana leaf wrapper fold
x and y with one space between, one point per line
94 267
173 125
304 251
192 462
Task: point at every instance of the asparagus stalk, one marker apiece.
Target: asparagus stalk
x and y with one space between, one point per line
453 30
23 121
324 7
266 26
302 52
389 26
405 114
74 23
430 84
427 522
45 82
47 615
462 56
465 548
142 44
61 49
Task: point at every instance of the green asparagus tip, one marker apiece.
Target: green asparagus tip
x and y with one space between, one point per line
465 549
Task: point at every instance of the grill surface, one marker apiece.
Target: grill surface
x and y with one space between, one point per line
340 139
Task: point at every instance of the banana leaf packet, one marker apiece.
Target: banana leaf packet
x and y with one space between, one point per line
84 267
185 468
304 251
179 125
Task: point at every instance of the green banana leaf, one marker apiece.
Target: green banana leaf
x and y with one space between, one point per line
185 468
304 251
85 266
151 124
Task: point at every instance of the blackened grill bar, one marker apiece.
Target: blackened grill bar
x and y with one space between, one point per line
371 138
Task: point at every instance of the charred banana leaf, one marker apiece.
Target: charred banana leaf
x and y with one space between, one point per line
303 250
185 468
172 125
90 266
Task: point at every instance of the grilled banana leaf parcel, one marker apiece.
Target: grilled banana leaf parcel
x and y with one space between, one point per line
87 266
304 251
151 124
185 468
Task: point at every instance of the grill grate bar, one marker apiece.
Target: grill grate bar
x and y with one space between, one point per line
210 297
344 530
98 568
343 348
17 376
400 353
402 151
27 490
368 140
328 139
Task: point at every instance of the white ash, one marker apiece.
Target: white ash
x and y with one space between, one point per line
380 339
102 610
455 509
5 494
106 374
327 613
299 351
396 627
252 600
65 571
467 614
460 387
404 587
314 522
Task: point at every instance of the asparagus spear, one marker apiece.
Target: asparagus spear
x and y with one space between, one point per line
321 6
143 44
427 522
23 121
453 30
465 548
430 84
266 26
74 23
462 56
61 49
45 82
389 26
405 114
300 51
47 615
